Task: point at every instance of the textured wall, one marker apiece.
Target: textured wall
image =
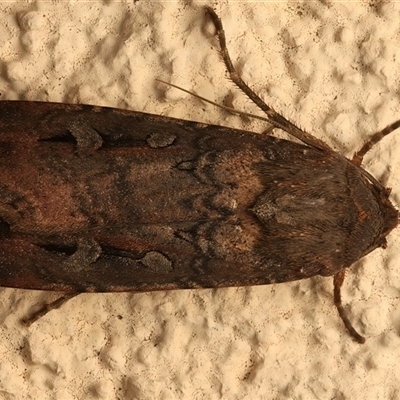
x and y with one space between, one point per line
332 68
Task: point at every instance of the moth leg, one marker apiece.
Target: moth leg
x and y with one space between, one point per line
337 283
28 321
373 140
276 119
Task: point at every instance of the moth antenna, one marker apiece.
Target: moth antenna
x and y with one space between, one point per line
232 110
273 117
337 283
373 140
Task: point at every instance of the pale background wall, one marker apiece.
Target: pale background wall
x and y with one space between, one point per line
334 69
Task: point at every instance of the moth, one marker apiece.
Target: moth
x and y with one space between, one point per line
96 199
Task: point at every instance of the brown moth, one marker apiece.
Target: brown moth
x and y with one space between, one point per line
95 199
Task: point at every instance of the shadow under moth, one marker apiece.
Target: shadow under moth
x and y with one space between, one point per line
96 199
